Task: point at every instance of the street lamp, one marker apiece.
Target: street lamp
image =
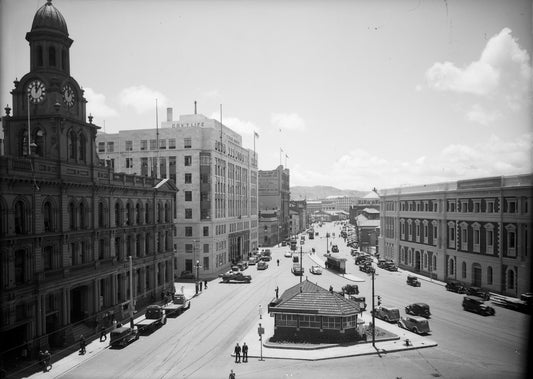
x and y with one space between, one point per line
260 312
131 291
327 243
197 273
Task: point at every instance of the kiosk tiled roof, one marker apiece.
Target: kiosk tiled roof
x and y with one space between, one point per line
309 298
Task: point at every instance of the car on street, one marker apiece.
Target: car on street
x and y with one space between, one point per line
367 267
389 314
123 336
479 292
390 266
415 324
477 305
413 281
334 249
418 309
287 254
262 265
362 259
232 276
351 289
266 258
383 262
317 270
361 300
252 261
454 286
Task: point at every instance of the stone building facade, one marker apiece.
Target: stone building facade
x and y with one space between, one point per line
67 223
273 200
474 231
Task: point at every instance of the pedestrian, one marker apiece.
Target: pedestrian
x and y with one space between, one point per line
277 290
205 284
278 262
231 375
82 344
103 335
237 353
201 286
244 352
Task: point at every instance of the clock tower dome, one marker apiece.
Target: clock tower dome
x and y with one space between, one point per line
48 104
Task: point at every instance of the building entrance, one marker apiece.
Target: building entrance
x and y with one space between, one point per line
78 304
476 275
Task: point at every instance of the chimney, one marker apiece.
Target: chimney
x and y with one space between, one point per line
194 106
169 114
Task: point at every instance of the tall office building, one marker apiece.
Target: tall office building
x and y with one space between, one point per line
475 231
274 197
216 176
67 223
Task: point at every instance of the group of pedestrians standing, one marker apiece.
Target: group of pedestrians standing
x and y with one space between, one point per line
238 350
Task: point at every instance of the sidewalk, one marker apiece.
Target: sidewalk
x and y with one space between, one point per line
95 347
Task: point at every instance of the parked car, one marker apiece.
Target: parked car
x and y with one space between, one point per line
122 336
315 270
390 266
361 300
334 249
236 277
287 254
389 314
454 286
186 275
415 324
418 309
242 265
413 281
266 258
383 262
351 289
252 261
362 259
262 265
479 292
477 305
367 267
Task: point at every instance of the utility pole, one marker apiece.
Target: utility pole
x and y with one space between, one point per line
131 291
373 316
301 264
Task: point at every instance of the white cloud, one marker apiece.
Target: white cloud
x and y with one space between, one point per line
481 115
286 121
96 105
142 99
239 126
503 71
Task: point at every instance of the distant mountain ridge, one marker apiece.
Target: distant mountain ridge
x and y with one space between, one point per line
322 192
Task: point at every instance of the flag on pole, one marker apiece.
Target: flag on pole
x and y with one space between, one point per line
256 135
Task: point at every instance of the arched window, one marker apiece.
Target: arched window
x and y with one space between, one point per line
434 259
463 270
23 143
83 216
129 245
138 251
159 213
489 275
118 214
118 249
20 217
147 249
451 266
82 148
39 56
38 140
73 144
52 56
147 214
48 217
510 279
72 215
138 211
101 248
101 215
48 258
128 215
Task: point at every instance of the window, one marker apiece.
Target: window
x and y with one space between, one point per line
47 217
187 144
188 195
110 147
206 263
101 147
48 258
477 206
129 145
52 56
464 236
188 213
435 232
129 162
206 231
20 266
489 238
489 275
188 178
171 143
490 206
144 144
188 160
511 240
188 231
451 266
510 206
451 235
206 248
463 270
477 237
153 144
163 144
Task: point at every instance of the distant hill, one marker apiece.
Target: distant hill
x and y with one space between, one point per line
321 192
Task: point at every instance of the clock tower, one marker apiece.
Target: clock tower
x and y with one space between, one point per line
48 103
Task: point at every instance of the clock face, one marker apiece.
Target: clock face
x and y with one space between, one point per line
36 91
69 96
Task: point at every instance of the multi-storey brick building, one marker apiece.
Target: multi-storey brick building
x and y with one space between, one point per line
474 231
67 223
217 181
273 199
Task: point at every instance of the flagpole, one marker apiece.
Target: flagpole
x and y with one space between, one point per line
156 141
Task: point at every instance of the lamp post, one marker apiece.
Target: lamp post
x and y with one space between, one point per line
373 315
327 243
197 274
301 265
260 312
131 291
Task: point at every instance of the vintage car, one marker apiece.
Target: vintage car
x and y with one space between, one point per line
287 254
413 281
262 265
362 259
361 300
415 324
236 277
266 258
351 289
242 265
253 260
334 249
477 305
390 266
479 292
418 309
454 286
389 314
122 336
317 270
383 262
367 267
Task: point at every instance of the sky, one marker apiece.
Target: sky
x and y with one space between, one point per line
351 94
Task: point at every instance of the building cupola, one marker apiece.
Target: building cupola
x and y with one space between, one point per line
49 41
